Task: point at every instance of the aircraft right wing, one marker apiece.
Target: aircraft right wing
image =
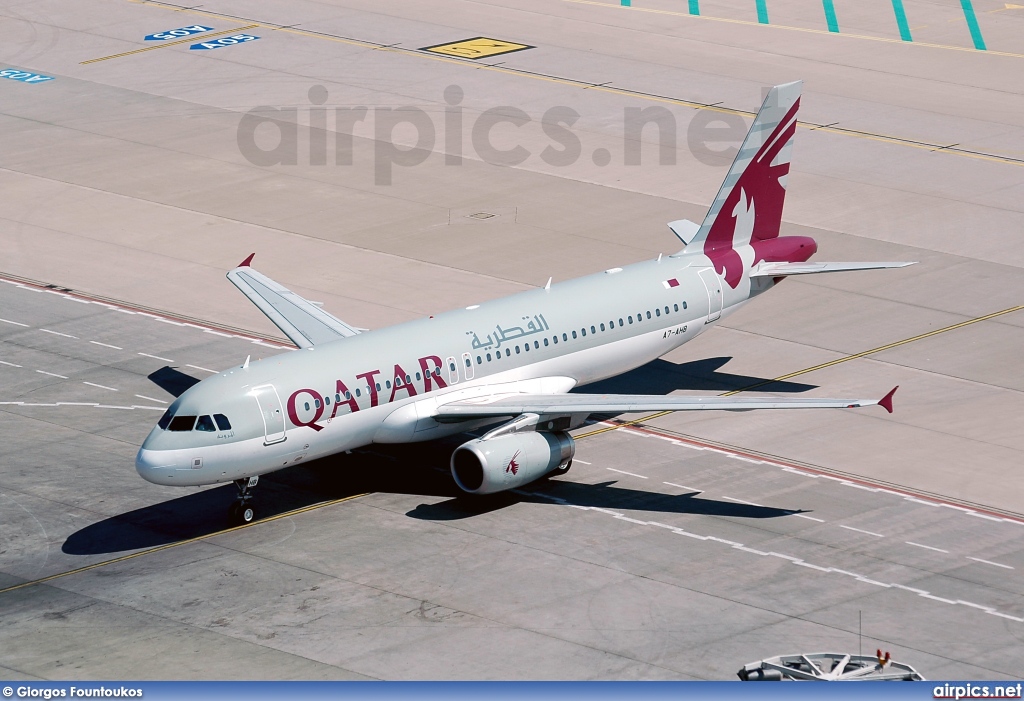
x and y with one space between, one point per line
305 323
782 269
550 406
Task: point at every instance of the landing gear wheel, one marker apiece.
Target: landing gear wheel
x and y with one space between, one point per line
242 511
558 472
240 514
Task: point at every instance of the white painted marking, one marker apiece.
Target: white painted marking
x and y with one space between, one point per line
740 457
984 516
809 518
1003 615
58 333
106 345
623 472
157 357
16 323
740 501
859 530
681 486
93 384
150 399
582 462
989 562
920 501
201 368
927 547
13 365
51 374
859 486
218 333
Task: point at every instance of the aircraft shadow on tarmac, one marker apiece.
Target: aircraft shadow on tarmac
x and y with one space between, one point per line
418 469
661 377
172 380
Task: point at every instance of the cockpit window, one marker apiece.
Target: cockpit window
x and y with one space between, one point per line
164 420
182 423
205 423
222 422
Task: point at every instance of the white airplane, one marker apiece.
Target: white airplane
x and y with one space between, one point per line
513 359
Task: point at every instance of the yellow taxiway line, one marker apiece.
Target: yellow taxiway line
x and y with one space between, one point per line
188 40
605 429
837 361
882 138
167 546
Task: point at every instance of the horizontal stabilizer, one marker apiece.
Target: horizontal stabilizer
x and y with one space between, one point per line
684 229
304 322
783 269
551 405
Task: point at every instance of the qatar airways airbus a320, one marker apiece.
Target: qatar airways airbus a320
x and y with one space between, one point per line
509 362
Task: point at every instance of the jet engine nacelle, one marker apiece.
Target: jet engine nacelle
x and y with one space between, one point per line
510 461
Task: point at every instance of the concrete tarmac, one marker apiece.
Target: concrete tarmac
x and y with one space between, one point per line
654 558
142 170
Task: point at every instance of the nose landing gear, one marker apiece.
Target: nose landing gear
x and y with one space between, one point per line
242 512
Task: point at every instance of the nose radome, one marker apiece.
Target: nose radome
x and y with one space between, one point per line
147 461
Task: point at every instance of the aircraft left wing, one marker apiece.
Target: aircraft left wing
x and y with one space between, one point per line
553 405
304 322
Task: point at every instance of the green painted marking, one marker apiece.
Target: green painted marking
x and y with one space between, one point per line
901 20
830 16
694 7
626 3
762 11
972 24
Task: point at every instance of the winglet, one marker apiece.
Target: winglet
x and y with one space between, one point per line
886 401
245 263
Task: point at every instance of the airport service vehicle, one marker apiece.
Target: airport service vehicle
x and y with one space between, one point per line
829 667
511 360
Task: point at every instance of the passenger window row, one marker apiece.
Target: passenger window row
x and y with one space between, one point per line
480 359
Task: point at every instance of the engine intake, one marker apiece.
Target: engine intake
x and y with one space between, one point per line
510 461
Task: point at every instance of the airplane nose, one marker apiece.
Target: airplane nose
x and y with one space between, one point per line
154 465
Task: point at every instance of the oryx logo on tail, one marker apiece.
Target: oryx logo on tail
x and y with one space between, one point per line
748 208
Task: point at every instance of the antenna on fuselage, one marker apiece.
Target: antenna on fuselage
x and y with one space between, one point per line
245 365
548 285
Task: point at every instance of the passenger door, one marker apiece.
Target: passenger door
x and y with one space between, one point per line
273 413
713 284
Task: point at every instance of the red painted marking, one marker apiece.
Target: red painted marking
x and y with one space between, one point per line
760 183
673 283
513 466
319 409
143 310
864 482
245 263
886 401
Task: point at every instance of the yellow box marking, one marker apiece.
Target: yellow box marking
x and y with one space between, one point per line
477 47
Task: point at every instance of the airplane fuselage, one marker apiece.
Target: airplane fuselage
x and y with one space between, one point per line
383 386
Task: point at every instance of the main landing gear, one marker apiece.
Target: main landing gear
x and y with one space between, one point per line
242 512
